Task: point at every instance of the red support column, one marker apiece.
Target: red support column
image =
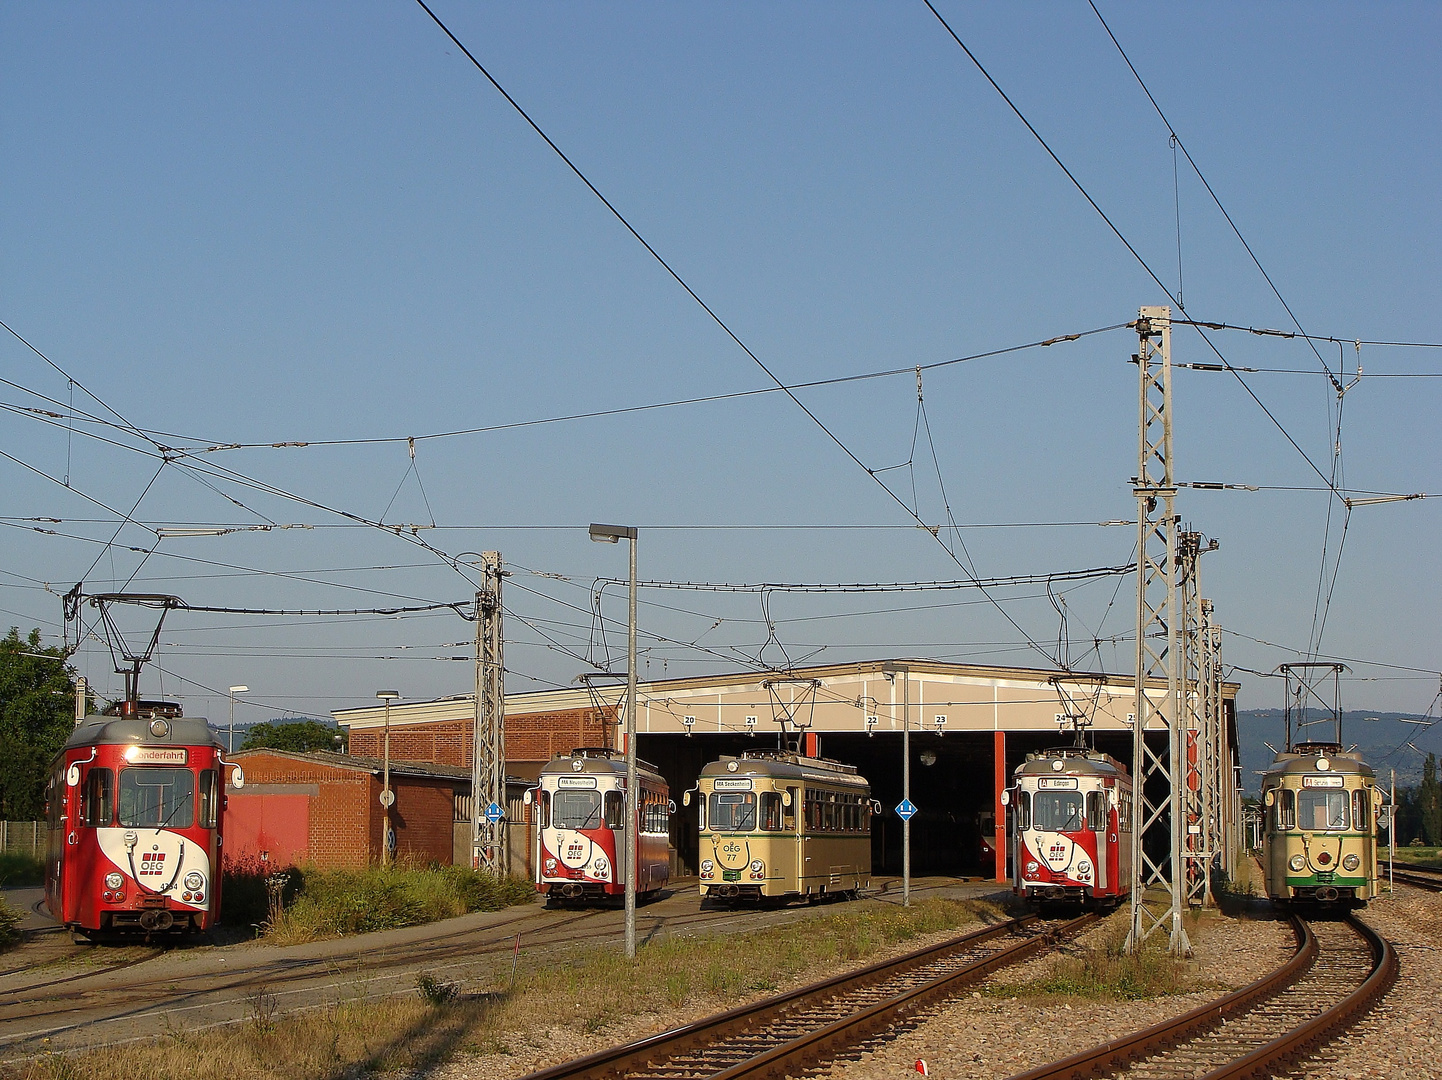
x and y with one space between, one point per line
999 841
813 744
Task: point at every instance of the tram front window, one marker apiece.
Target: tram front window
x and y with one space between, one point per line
1322 811
576 810
153 798
732 811
1057 811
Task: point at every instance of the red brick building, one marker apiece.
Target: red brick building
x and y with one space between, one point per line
431 731
325 808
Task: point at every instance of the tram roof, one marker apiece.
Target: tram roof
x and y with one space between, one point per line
596 761
100 730
1304 759
783 764
1073 761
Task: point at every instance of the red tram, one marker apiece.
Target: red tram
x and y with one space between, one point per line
134 806
1072 829
580 847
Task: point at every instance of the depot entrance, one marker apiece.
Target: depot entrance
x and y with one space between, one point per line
951 783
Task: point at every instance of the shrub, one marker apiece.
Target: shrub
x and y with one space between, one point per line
17 868
9 925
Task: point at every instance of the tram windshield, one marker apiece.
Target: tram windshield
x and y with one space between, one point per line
1322 810
1057 811
576 810
156 798
732 811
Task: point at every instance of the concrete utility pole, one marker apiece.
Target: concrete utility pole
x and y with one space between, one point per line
489 850
1157 879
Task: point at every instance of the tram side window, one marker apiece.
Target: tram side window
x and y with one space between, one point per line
1096 819
157 798
1023 810
543 809
208 801
771 811
1361 810
788 813
1286 808
97 807
615 810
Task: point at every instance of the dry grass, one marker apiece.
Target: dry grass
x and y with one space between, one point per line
1102 969
593 992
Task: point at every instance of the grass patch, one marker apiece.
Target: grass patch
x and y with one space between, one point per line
1424 856
331 903
17 868
595 991
1103 970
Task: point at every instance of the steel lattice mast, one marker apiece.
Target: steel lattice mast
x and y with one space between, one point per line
489 850
1157 880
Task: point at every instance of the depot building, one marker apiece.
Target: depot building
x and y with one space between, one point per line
964 728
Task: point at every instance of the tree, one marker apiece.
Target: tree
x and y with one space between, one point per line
300 736
1429 798
37 702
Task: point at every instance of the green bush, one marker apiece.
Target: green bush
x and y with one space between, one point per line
333 903
9 925
17 868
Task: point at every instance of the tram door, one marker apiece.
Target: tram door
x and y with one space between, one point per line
781 812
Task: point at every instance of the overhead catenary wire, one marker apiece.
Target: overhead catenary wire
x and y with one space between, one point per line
1122 237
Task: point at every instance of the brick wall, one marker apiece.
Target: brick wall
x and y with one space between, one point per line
534 737
346 817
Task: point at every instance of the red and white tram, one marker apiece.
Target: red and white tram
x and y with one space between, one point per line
1071 828
580 846
134 806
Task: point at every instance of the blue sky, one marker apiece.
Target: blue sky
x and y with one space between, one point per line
278 223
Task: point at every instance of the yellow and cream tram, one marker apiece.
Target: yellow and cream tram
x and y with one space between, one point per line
1319 844
775 824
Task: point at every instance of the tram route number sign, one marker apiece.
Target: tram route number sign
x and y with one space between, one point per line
906 809
494 814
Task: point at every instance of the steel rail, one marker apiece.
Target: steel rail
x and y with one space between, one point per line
652 1051
1117 1054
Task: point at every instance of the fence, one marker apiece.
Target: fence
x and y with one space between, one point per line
23 836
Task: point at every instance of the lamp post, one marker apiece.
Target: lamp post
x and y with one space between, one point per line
388 797
230 740
893 670
610 534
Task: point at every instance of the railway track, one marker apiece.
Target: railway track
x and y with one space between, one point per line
1419 877
1340 969
798 1030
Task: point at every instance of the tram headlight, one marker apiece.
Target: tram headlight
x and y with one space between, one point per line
114 879
1351 862
1031 868
1084 867
601 865
1297 862
757 866
707 866
194 881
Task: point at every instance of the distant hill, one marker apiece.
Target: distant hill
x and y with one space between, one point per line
1380 737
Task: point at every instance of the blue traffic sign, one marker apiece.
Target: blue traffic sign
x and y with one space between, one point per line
906 809
494 814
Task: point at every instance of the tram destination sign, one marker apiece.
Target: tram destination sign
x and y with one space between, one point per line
732 783
156 755
1323 781
575 781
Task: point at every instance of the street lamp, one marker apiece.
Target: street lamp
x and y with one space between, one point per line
610 534
388 797
230 742
891 671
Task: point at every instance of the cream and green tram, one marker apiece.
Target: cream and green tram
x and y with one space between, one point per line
778 825
1319 845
